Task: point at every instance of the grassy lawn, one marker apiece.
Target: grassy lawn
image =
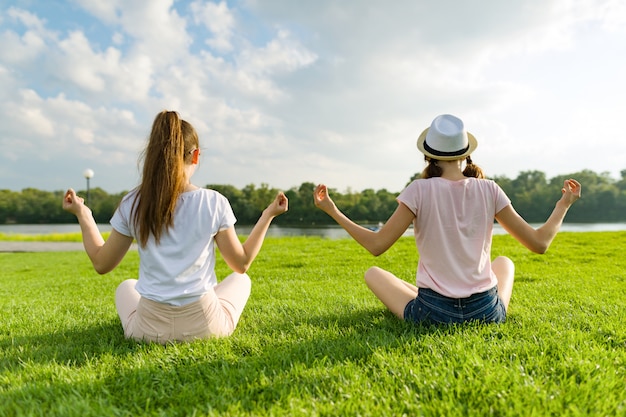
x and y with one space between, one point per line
314 341
50 237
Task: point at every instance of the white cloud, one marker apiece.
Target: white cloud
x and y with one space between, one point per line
282 54
285 92
219 20
106 11
21 50
28 112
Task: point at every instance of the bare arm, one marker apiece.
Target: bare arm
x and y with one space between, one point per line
240 256
377 242
104 256
539 240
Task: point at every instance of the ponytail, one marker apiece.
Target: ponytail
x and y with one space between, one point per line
472 170
433 170
163 178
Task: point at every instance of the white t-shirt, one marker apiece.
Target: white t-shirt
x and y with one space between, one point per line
181 268
453 227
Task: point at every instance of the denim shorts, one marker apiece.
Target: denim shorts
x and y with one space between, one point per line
434 308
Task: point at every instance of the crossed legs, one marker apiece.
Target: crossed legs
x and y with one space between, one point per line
233 293
504 268
391 290
396 293
126 300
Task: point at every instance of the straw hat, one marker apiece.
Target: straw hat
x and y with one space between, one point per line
446 139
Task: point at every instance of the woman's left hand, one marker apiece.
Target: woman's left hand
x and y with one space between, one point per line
279 206
571 191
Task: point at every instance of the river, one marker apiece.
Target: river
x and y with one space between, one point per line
331 232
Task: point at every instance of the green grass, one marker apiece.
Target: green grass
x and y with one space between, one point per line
314 341
50 237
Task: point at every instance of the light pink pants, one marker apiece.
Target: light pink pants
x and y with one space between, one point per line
215 314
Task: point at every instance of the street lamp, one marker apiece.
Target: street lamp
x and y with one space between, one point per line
88 173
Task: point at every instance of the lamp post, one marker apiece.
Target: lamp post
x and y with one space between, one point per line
88 173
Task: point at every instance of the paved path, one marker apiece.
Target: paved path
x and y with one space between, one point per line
12 246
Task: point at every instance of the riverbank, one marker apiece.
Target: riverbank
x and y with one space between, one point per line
330 232
38 246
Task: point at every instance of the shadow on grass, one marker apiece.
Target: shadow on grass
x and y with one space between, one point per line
265 367
67 346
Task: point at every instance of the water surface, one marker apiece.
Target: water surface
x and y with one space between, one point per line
331 232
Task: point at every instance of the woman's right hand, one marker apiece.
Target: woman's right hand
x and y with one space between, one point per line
571 191
322 199
73 203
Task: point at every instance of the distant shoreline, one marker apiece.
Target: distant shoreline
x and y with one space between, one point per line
331 231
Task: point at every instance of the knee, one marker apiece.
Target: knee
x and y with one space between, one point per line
126 286
371 274
504 261
504 268
243 281
246 281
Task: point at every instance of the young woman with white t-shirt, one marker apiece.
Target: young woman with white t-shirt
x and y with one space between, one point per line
176 225
452 210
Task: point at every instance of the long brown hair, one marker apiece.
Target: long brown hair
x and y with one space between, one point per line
434 170
169 147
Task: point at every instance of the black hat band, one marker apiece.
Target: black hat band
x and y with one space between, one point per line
440 153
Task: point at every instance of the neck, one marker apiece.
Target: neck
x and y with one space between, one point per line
190 187
190 169
451 170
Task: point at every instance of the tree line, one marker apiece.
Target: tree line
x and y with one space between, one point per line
533 195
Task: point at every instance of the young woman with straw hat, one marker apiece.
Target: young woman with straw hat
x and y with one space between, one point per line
452 210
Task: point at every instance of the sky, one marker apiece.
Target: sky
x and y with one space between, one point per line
284 92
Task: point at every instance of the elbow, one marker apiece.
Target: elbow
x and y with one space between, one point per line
241 268
376 250
536 244
238 264
540 248
101 269
102 264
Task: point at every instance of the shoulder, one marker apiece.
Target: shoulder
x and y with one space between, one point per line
209 193
484 183
129 198
491 188
412 187
417 189
209 197
421 183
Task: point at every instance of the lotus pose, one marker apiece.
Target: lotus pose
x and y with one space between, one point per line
452 209
176 225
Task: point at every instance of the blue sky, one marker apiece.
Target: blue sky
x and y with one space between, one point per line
284 92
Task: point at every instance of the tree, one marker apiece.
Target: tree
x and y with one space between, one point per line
532 195
8 206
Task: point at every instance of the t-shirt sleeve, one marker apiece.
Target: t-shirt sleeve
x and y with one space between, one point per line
119 221
227 219
502 200
409 197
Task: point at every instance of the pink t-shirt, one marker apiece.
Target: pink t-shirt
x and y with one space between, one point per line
453 226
